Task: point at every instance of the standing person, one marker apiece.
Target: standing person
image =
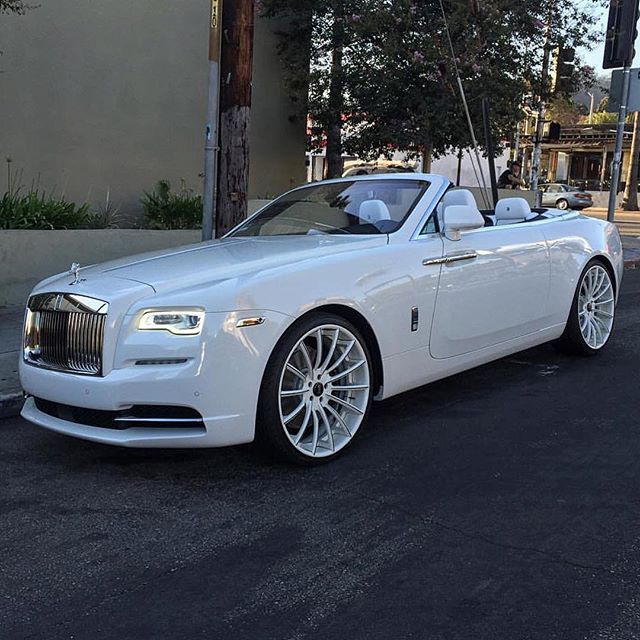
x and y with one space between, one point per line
511 178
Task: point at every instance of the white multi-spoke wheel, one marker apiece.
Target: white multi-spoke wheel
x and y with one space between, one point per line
562 204
316 391
592 313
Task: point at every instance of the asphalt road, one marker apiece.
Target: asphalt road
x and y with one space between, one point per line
502 503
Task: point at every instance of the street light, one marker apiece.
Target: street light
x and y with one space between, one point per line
591 107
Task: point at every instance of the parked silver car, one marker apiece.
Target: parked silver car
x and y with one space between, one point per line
563 196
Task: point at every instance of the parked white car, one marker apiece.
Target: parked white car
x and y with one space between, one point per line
335 294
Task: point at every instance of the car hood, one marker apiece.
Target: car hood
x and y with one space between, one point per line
226 258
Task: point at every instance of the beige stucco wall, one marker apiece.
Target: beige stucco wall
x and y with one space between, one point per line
100 97
26 257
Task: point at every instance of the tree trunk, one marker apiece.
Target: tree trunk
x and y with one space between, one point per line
630 199
236 65
427 154
335 164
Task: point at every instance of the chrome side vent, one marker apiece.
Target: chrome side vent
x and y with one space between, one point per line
65 332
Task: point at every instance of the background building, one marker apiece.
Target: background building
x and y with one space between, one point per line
582 156
105 98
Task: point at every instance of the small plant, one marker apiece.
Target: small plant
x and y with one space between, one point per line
106 216
165 209
36 209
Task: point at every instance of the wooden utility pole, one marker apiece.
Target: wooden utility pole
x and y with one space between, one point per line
630 199
236 67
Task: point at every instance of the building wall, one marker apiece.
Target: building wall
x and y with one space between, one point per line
448 167
99 97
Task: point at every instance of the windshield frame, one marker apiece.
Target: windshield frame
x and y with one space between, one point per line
424 180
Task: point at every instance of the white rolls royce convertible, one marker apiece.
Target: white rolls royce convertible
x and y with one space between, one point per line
333 295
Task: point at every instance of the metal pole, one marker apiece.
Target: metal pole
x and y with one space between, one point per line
617 153
459 167
211 148
490 150
592 96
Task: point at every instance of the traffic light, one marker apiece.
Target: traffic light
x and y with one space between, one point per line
562 69
551 132
621 34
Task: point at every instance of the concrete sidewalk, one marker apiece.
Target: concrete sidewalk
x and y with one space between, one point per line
11 326
10 330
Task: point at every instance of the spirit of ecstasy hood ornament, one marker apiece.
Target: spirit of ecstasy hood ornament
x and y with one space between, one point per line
75 272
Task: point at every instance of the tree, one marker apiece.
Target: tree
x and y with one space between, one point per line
383 77
318 50
566 112
418 106
13 6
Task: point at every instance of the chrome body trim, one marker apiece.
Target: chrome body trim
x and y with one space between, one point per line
451 258
163 420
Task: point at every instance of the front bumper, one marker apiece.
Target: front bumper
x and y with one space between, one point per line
220 380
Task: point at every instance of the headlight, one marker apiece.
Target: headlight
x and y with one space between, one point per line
180 322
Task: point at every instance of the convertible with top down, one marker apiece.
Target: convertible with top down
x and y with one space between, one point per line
335 294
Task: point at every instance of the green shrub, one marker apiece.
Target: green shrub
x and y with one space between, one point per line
37 210
165 209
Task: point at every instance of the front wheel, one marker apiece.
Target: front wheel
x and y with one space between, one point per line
316 390
592 313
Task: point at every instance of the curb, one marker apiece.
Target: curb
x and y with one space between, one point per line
632 263
10 405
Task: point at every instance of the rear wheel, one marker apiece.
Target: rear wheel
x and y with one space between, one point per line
592 312
562 204
316 390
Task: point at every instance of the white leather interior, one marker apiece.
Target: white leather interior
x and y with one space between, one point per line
372 211
457 197
512 211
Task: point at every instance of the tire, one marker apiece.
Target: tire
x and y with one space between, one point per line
592 315
306 413
562 204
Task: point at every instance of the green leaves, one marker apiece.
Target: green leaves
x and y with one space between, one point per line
165 209
13 6
398 76
37 210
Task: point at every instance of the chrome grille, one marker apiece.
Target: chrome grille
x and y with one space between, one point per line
65 332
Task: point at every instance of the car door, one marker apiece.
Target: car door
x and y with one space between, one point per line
550 195
493 287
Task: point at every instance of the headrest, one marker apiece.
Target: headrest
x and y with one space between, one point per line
459 197
373 211
513 209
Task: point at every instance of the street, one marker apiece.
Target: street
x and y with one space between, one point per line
501 503
628 221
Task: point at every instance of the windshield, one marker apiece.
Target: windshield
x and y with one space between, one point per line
355 207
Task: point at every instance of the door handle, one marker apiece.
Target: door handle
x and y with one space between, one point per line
451 258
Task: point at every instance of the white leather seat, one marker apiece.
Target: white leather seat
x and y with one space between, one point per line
513 211
457 197
373 211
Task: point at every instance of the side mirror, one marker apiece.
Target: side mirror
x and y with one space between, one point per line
461 217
